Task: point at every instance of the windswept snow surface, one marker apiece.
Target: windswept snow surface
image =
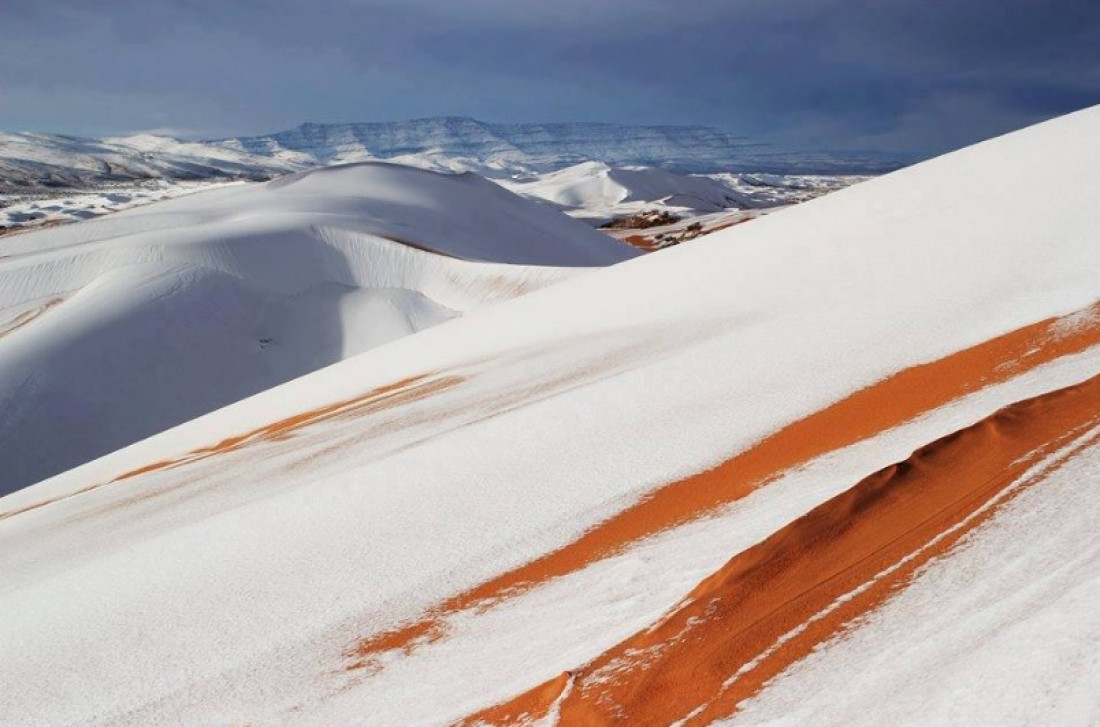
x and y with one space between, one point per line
257 565
114 329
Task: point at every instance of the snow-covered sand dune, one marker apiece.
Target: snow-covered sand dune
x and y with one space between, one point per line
594 189
551 508
115 329
599 193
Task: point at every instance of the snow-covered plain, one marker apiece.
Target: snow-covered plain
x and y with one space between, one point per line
234 585
25 212
117 328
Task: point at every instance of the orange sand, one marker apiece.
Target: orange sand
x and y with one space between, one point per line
742 617
28 316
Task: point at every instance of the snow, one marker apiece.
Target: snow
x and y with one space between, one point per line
772 190
148 318
598 191
594 189
227 589
44 162
465 144
28 211
47 179
37 162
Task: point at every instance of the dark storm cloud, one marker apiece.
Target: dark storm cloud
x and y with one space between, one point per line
890 74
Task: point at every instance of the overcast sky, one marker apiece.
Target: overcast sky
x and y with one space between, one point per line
892 75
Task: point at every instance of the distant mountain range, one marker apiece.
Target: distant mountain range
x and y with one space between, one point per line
29 161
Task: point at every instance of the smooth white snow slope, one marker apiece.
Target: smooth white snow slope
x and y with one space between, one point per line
226 571
115 329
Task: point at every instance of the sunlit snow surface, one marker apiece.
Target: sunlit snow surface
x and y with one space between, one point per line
231 587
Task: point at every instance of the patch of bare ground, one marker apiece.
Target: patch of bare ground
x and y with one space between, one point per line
28 316
641 221
660 237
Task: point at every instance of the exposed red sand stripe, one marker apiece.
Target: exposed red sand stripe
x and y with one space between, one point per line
867 412
391 395
771 604
28 316
385 397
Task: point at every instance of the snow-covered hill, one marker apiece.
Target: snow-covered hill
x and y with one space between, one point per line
838 465
597 190
692 205
115 329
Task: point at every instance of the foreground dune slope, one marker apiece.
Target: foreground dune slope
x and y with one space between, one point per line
115 329
514 516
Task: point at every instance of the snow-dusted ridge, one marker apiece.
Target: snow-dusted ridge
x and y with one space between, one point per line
260 563
42 161
465 144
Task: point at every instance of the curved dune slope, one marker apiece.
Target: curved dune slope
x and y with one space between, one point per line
116 329
640 495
